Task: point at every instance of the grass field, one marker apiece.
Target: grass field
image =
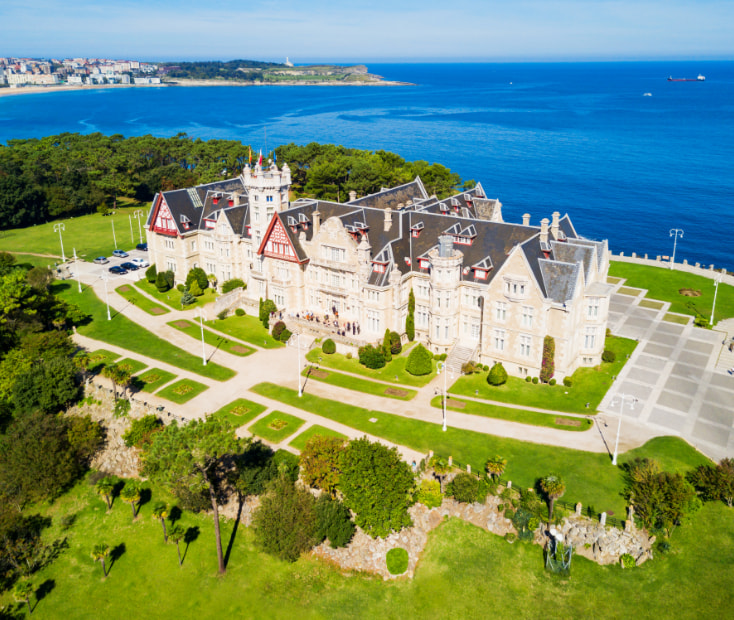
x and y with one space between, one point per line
91 235
464 572
276 426
172 297
590 477
589 385
299 442
135 297
33 261
247 328
123 332
215 340
100 358
393 372
182 391
665 284
357 384
152 379
240 412
523 416
130 365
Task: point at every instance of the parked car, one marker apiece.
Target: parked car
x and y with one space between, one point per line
143 247
130 266
120 254
101 260
117 270
141 262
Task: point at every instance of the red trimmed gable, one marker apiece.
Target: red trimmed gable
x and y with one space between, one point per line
276 243
162 220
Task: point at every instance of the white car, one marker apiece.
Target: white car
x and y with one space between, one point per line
140 262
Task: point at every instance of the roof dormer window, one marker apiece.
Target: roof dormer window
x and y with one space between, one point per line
415 230
185 222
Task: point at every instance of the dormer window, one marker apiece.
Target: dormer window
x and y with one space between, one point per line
292 223
230 201
303 221
185 222
210 224
455 204
415 230
379 267
423 263
468 198
215 200
480 274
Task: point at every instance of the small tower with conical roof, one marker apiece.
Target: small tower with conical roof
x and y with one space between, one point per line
267 189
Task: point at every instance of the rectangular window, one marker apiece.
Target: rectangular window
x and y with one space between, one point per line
475 331
525 343
590 338
169 244
421 316
193 246
527 316
335 280
209 245
501 311
268 199
256 214
499 339
592 310
373 321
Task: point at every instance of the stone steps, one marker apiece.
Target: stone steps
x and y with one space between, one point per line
459 356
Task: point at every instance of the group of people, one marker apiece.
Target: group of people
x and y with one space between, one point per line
350 328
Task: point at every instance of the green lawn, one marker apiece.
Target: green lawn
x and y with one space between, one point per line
590 477
677 318
91 235
130 365
393 372
152 379
567 423
123 332
33 261
276 426
135 297
100 358
182 391
299 442
589 385
215 340
357 384
464 572
240 412
665 284
172 298
247 328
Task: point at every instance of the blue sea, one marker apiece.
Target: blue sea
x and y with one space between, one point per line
579 138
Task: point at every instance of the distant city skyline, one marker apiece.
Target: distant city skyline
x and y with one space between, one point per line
374 31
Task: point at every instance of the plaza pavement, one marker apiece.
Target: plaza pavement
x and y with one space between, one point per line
671 374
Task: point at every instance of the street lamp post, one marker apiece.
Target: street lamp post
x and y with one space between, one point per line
716 290
619 424
444 370
114 237
78 276
298 344
138 215
203 346
132 236
105 277
59 228
675 233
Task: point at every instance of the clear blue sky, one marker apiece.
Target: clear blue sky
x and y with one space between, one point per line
370 30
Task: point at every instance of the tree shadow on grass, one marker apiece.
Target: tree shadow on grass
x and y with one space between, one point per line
145 497
240 504
115 555
174 514
44 590
191 535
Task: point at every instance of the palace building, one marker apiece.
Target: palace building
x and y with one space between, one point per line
484 289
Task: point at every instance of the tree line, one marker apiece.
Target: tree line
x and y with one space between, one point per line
70 174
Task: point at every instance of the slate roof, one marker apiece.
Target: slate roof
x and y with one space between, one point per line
394 196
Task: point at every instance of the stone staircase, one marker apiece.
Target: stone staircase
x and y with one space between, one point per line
459 356
726 357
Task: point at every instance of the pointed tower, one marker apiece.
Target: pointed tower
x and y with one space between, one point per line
267 188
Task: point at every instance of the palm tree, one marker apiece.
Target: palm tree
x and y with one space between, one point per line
22 593
130 494
160 511
106 487
554 487
99 553
496 467
176 535
114 373
441 468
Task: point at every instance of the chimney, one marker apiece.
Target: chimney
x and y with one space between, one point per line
316 223
526 219
352 196
388 219
554 224
544 230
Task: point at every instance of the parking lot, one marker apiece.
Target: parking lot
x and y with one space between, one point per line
90 269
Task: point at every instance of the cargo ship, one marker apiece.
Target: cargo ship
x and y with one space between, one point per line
700 78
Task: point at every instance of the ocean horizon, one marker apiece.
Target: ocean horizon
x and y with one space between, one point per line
626 153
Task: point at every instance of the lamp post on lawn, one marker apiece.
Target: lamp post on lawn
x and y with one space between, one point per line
59 228
114 237
132 236
444 370
105 277
716 290
203 347
298 344
633 400
78 277
138 215
675 233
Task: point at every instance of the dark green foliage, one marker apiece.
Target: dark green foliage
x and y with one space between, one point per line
567 381
285 335
523 520
608 356
371 357
258 465
411 302
278 329
627 561
161 283
429 493
377 486
223 314
285 521
321 462
552 382
198 275
333 522
230 285
528 379
387 346
464 488
410 327
287 464
328 347
419 361
48 386
497 375
239 312
395 345
535 380
187 298
714 483
85 437
7 262
266 308
22 548
549 354
195 289
180 287
151 274
141 430
397 561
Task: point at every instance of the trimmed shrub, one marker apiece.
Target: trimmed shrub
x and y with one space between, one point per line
141 431
333 521
535 380
239 312
285 335
278 329
442 357
608 356
151 273
387 346
266 307
510 537
410 327
528 379
567 381
548 365
395 345
195 289
180 287
198 275
372 357
627 561
329 348
223 314
486 368
230 285
187 298
161 283
498 375
464 488
349 355
552 382
170 277
419 361
397 561
429 493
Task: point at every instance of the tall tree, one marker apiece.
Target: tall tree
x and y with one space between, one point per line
100 552
130 494
106 487
320 462
554 487
185 460
22 593
176 534
160 511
